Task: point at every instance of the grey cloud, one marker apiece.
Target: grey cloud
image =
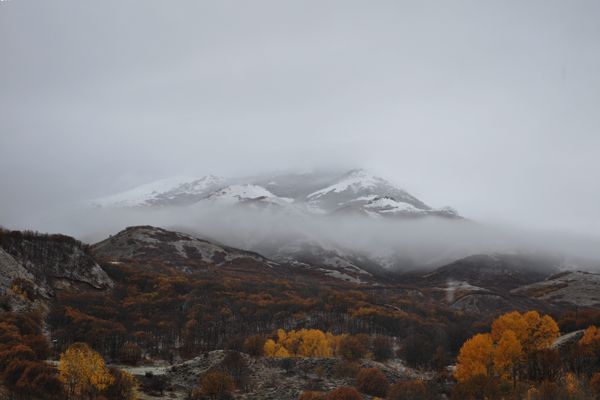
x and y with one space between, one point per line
488 107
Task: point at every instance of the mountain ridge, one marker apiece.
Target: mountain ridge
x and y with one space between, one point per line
355 192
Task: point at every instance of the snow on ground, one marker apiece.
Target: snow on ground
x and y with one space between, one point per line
340 275
575 287
390 205
235 193
163 189
356 180
567 338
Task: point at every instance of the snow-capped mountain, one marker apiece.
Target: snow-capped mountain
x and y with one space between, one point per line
180 190
354 192
247 194
360 192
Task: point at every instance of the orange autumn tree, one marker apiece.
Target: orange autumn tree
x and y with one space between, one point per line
475 357
591 336
502 352
301 343
83 371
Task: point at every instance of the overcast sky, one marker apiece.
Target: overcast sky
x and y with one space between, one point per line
491 107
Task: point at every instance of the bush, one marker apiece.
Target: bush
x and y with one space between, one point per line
344 393
410 390
310 395
236 366
595 383
549 391
254 345
217 384
372 381
124 386
130 354
33 379
352 347
345 369
475 388
382 348
418 350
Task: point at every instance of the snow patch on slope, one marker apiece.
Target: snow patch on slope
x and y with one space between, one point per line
161 190
355 180
236 193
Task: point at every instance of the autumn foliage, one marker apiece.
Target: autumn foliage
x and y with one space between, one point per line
301 343
409 390
215 385
83 372
372 381
344 393
502 352
23 349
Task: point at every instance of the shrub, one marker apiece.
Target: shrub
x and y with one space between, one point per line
345 369
254 345
382 348
124 386
344 393
18 352
409 390
310 395
417 350
595 383
216 384
372 381
130 353
33 379
237 367
352 347
549 391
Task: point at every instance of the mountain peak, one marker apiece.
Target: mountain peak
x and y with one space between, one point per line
178 189
354 191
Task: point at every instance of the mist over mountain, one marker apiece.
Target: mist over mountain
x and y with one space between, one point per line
351 219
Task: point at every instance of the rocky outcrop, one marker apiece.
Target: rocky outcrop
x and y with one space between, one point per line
49 262
284 378
148 243
11 270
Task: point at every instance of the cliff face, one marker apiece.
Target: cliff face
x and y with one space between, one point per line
11 270
48 263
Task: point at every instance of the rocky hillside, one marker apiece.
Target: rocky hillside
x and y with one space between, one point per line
50 261
148 243
568 287
495 271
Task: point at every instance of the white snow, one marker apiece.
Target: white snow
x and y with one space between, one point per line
340 275
235 193
575 287
356 180
162 189
389 205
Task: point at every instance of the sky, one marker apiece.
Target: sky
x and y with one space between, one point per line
488 107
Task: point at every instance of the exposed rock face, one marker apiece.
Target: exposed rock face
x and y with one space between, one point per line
574 287
11 269
284 379
498 271
568 339
49 261
152 243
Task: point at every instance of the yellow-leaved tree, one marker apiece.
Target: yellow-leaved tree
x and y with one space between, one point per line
533 331
301 343
83 371
514 336
508 356
475 357
591 336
